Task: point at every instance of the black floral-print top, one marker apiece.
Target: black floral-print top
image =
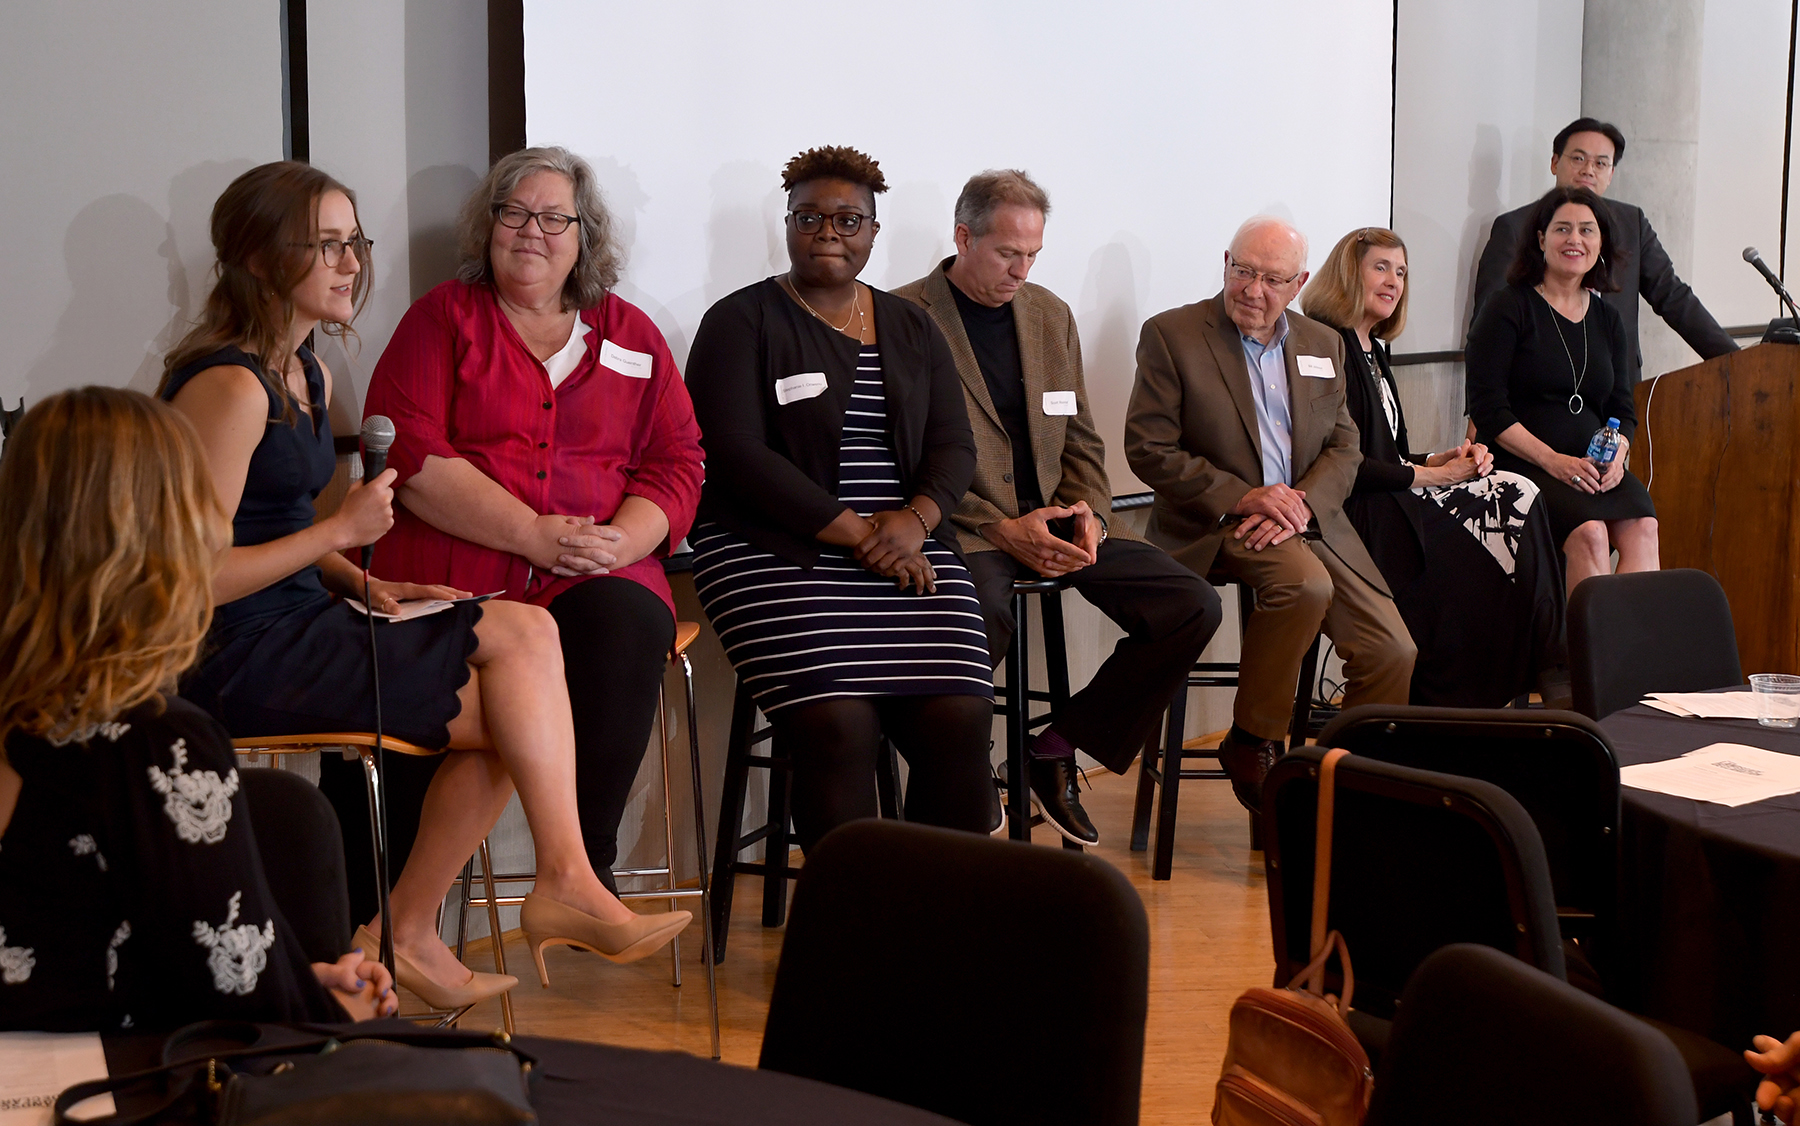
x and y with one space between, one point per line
131 892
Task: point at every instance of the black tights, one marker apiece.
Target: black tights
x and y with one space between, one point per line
833 746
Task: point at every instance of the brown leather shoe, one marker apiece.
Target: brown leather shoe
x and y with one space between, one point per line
1247 763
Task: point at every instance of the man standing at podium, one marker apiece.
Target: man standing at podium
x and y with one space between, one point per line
1584 155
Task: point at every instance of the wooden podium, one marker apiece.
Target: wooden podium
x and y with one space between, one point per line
1715 442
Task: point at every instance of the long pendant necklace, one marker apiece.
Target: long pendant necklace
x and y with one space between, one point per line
1575 400
856 313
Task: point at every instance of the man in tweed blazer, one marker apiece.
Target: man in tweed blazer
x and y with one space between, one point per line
1040 498
1238 421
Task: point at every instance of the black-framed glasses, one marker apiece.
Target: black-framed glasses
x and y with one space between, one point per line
332 249
1246 275
549 222
845 223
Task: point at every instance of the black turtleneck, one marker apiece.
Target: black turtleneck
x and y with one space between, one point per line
994 338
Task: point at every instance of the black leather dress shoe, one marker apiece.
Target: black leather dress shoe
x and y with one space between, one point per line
1053 784
1247 763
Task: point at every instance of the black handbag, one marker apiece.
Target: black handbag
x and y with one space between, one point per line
398 1077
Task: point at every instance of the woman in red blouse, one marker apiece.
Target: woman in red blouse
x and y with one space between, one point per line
547 447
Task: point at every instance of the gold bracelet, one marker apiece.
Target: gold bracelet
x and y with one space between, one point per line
922 522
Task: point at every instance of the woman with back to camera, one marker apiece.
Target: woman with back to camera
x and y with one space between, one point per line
285 657
132 895
546 447
1466 550
1547 365
837 442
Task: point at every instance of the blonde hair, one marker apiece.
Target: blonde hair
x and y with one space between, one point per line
1335 294
106 574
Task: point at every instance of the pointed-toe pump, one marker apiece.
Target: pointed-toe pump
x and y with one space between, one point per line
444 998
549 923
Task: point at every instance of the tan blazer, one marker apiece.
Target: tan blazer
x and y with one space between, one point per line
1191 432
1071 459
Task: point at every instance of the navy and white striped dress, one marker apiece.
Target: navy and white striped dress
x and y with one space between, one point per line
798 636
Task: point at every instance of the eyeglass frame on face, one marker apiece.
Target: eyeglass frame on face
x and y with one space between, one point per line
1580 160
332 257
500 210
1247 277
837 221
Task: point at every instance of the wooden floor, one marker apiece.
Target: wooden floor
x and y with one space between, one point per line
1209 941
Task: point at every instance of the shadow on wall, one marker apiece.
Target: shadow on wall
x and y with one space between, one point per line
625 199
434 197
744 243
918 230
1485 158
1110 315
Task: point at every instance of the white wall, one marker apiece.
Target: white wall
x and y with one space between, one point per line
123 123
1156 127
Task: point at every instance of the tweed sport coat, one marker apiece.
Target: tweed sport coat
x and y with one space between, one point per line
1191 432
1070 457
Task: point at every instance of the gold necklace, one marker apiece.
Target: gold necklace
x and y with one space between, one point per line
855 310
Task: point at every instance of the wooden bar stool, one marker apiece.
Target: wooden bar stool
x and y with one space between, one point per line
1013 699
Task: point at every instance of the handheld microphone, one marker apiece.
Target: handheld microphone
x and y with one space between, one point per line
377 439
1755 259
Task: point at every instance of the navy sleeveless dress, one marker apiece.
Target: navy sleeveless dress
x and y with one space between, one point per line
292 659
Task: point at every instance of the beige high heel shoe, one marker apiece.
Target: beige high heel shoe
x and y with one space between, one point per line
549 923
445 998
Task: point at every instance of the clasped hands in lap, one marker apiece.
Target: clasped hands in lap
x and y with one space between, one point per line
890 544
1030 540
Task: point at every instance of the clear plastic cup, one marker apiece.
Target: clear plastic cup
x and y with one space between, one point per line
1777 698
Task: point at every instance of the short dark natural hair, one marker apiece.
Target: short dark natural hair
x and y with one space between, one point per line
1528 259
987 192
835 162
598 255
1590 125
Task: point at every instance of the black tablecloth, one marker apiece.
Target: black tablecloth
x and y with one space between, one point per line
608 1086
1710 895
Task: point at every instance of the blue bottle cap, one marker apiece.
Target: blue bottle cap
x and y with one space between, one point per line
1613 422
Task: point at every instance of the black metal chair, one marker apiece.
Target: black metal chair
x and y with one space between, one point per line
774 834
1651 631
1013 699
1154 768
875 994
302 854
1486 1040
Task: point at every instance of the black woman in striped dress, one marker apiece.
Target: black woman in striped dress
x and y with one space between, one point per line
836 442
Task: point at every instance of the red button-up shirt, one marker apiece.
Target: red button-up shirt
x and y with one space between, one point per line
458 382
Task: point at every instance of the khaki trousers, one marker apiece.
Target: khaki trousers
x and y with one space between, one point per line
1300 587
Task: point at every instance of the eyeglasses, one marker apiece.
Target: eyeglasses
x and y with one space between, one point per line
845 223
332 250
548 222
1245 276
1580 160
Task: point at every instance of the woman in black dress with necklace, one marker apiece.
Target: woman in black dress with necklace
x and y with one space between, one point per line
836 443
1547 366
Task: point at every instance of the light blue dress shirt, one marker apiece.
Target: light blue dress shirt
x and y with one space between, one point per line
1274 419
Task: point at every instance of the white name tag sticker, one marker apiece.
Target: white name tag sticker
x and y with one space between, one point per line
1059 402
1316 367
624 360
806 385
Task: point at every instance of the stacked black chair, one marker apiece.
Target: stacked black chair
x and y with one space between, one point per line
1163 764
302 854
877 993
773 834
1013 699
1651 631
1483 1039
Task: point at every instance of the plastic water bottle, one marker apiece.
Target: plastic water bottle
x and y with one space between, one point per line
1603 447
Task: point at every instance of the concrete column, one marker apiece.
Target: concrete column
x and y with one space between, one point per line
1640 70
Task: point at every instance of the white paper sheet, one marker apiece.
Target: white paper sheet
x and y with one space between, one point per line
1719 705
1728 774
36 1066
1665 706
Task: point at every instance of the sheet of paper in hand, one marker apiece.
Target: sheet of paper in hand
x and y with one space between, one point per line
419 607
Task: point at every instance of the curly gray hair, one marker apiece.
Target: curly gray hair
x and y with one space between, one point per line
598 259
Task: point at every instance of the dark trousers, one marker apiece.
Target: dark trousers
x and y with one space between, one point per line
615 638
1168 614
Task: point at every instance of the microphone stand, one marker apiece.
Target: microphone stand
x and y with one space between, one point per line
1781 330
377 771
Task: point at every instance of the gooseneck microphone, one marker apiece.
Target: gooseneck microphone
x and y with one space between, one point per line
377 440
1755 259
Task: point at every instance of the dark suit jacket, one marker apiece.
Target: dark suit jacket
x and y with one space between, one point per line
1070 457
1191 432
1645 269
772 468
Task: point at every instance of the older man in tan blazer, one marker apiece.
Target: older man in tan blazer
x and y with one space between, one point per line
1040 498
1238 421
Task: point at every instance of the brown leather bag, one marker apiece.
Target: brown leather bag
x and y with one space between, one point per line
1292 1059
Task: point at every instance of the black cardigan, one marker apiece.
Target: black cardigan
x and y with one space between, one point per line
1382 508
772 469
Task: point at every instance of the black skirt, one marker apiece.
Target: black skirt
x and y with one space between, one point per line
1569 507
308 672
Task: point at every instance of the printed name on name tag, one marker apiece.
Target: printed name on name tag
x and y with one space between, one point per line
1059 402
806 385
624 360
1316 367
